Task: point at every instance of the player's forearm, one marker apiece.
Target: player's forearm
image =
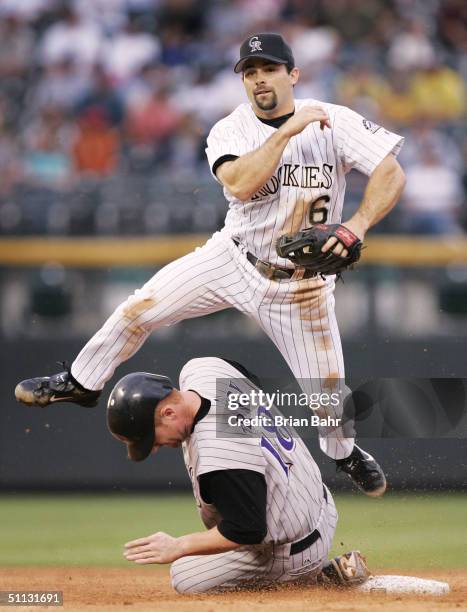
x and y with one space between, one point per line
244 176
161 547
205 543
381 194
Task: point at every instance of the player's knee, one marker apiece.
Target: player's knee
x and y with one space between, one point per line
182 584
185 579
185 589
179 588
176 579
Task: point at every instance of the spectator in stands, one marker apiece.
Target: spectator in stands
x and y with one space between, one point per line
187 151
188 15
312 43
315 47
150 126
463 175
27 10
61 85
109 15
439 93
71 36
101 94
16 47
227 19
176 46
432 196
95 148
9 162
425 135
398 103
9 153
363 90
150 77
210 97
47 145
411 49
128 51
355 21
452 24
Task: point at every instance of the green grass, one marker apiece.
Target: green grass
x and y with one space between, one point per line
397 531
404 530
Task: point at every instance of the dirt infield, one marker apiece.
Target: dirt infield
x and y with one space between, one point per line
146 588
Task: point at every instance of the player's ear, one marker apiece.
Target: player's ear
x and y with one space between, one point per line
169 413
294 74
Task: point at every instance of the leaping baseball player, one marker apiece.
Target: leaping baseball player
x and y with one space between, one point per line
282 163
269 517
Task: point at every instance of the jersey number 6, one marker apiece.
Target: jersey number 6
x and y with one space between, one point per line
317 211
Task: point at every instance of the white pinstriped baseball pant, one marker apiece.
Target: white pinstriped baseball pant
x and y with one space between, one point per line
298 316
257 566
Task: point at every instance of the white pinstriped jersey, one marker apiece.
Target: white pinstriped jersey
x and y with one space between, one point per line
294 485
313 165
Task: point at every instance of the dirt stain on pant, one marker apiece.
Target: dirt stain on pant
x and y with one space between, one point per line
313 308
133 309
323 342
331 382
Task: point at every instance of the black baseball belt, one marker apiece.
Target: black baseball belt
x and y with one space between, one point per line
310 539
273 272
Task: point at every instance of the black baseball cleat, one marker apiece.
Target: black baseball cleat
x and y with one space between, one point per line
61 387
361 467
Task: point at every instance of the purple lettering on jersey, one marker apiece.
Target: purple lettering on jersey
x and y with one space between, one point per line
286 442
265 443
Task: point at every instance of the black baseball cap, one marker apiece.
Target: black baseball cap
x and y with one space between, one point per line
267 45
131 408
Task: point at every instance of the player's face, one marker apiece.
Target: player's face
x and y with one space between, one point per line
269 87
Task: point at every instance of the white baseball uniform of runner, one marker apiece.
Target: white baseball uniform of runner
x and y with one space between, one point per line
296 313
297 503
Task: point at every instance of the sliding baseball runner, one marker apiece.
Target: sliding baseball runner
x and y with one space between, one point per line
269 518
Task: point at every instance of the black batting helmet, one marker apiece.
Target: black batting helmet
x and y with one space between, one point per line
131 408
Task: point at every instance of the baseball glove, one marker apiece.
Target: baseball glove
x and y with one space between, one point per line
304 248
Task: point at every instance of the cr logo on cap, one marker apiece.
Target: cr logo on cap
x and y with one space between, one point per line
255 44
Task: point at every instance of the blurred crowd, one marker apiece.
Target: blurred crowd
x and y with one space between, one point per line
99 93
